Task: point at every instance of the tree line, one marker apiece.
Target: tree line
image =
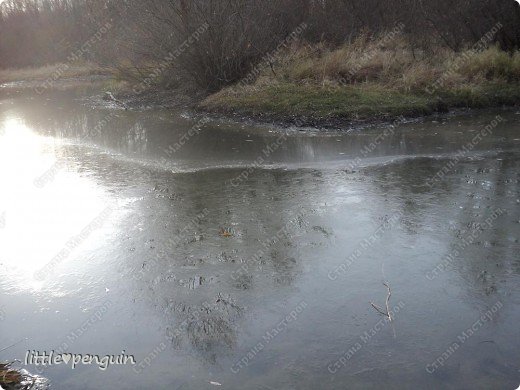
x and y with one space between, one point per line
238 34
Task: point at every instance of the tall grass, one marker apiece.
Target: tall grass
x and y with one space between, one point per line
393 65
374 78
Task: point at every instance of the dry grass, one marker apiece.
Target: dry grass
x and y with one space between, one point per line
492 64
9 376
375 78
61 71
393 64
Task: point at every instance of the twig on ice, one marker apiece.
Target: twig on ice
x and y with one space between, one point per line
388 300
378 309
387 313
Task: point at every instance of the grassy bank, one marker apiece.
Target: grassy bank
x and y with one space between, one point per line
312 103
371 80
50 74
366 80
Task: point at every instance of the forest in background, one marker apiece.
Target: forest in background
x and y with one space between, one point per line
210 44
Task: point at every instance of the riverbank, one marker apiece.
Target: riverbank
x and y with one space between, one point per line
82 80
52 73
92 83
307 105
371 81
361 83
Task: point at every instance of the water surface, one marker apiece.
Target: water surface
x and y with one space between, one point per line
249 256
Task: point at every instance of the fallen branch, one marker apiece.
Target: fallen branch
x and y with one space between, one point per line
378 309
388 300
387 313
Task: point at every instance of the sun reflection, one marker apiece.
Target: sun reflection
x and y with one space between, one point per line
39 217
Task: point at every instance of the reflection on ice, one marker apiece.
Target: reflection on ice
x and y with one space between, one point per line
39 220
199 300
